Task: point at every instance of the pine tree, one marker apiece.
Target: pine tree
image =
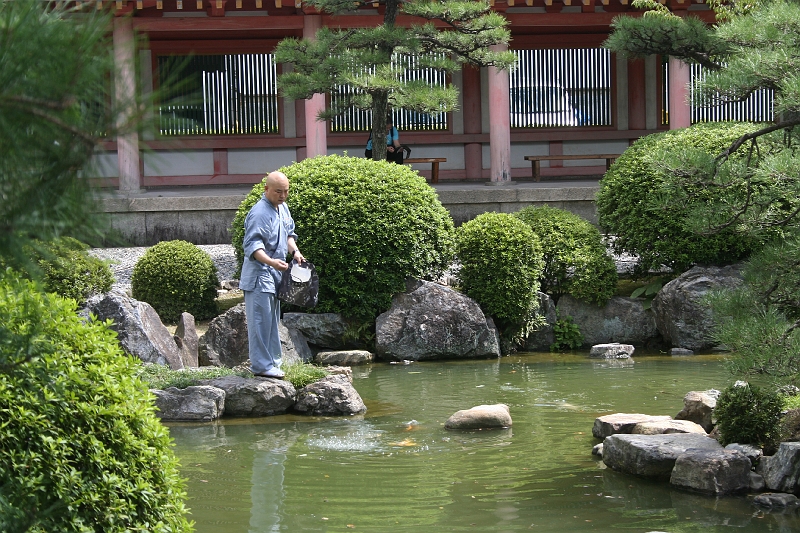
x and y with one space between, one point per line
374 61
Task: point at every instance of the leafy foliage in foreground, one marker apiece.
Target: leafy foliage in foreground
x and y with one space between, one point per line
80 447
366 225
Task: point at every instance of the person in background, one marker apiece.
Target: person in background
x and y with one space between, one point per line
269 238
393 151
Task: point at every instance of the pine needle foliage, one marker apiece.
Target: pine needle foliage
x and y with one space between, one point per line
374 61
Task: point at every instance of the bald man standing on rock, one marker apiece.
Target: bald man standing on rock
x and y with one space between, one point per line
269 238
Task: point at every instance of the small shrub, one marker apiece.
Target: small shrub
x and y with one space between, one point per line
176 277
366 225
575 257
657 235
501 262
65 267
747 414
567 335
80 447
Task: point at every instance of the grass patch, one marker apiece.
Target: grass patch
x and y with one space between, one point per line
791 402
162 377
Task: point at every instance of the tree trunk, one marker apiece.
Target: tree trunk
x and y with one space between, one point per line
380 108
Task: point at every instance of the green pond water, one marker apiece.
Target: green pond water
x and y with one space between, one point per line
396 469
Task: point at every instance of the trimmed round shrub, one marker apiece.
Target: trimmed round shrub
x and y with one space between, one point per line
176 277
80 446
366 226
747 414
575 257
659 236
501 262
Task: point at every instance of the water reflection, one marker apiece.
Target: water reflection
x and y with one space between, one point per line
397 469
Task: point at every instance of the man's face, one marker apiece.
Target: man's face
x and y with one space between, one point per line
276 190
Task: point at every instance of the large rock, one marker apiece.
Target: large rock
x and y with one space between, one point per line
781 471
623 320
332 395
698 407
138 328
664 427
480 417
434 322
651 455
544 336
712 471
680 315
344 358
198 402
612 350
294 346
621 423
187 341
256 396
225 342
323 330
779 500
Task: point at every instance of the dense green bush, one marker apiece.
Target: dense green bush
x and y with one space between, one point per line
64 267
366 225
80 447
748 415
575 257
176 277
500 265
628 207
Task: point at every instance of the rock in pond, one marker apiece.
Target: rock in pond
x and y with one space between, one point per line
480 417
621 423
344 358
781 471
612 350
715 472
698 406
331 396
255 396
664 427
651 455
776 500
197 403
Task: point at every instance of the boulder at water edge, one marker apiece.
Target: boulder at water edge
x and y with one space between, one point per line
779 500
187 341
323 330
680 315
480 417
612 350
715 472
544 336
195 403
432 321
255 396
651 455
622 319
331 396
664 427
781 471
344 358
698 407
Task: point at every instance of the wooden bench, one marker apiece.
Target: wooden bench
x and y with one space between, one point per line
536 159
434 161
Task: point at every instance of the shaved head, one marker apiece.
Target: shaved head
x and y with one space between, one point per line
276 188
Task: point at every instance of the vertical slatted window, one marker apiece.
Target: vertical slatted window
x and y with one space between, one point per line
561 87
759 107
234 94
355 119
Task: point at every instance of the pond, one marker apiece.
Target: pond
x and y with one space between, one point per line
396 469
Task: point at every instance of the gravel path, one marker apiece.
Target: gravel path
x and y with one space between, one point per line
124 259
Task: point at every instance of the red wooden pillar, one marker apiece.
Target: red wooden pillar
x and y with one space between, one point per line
637 101
473 159
680 111
130 178
316 130
499 124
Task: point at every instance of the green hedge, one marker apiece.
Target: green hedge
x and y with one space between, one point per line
176 277
575 257
656 234
80 447
500 265
366 226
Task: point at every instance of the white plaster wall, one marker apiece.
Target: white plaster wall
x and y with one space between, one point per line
259 161
104 165
179 163
520 150
453 152
353 151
